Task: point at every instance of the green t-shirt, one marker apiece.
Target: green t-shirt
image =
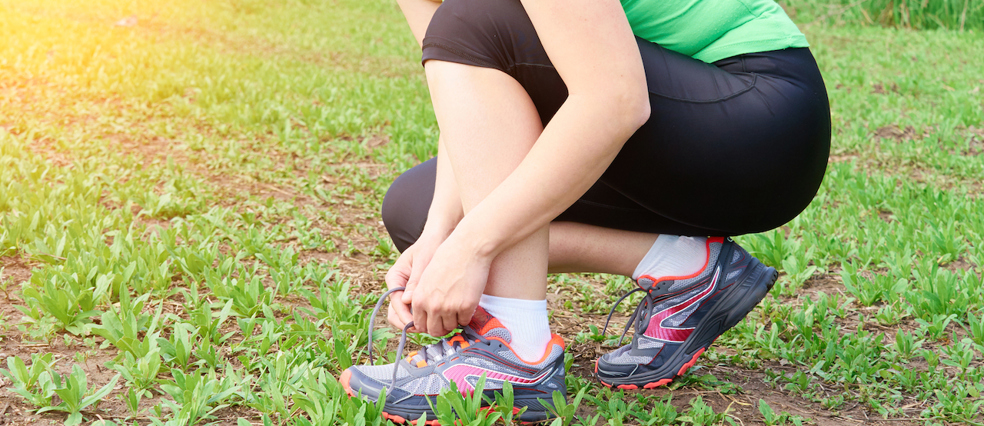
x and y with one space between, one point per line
711 30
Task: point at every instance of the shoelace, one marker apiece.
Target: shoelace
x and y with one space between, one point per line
456 340
645 307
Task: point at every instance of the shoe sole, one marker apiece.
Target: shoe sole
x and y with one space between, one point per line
404 418
728 312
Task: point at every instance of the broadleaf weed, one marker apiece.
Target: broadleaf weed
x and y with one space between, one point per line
75 394
33 383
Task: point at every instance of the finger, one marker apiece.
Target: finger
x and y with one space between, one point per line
465 316
419 321
435 326
394 280
412 282
450 322
397 276
394 318
415 274
402 310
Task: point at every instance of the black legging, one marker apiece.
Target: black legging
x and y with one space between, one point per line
733 147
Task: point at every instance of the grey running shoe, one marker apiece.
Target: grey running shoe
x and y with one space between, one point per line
679 317
482 347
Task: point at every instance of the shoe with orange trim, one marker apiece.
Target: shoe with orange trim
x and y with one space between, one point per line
680 317
480 348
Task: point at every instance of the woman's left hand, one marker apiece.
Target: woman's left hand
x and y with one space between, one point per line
449 289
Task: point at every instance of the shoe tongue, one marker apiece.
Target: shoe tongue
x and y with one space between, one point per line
488 326
645 282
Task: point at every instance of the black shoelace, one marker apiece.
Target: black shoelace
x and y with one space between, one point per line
655 292
641 315
403 337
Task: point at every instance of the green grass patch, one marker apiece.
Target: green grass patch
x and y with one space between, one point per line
911 14
189 196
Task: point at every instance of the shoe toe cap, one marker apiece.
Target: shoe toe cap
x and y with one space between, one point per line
357 383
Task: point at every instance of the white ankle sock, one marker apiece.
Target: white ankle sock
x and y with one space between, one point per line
525 319
673 255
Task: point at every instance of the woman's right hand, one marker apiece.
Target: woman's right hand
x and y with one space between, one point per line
406 273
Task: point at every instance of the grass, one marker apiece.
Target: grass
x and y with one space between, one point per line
189 229
912 14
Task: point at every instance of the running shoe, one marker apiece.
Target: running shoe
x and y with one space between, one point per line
680 317
482 347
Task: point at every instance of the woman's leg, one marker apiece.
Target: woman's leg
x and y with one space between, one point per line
578 247
574 246
489 124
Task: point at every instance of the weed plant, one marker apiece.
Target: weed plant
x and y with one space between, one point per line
189 196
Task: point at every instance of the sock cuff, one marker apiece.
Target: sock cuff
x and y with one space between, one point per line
673 254
526 321
492 303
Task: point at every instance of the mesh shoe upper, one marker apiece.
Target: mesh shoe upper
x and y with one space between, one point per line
671 309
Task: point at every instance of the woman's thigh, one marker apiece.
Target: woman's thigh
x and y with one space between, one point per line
408 200
740 146
733 147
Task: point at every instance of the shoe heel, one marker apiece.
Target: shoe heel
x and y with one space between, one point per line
761 279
